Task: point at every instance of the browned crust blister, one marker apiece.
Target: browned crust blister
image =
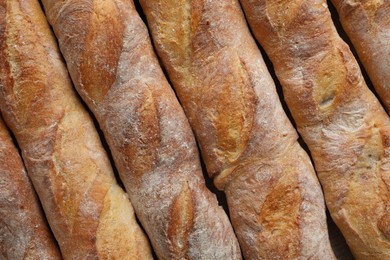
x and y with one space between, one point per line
367 23
88 212
114 68
24 232
342 122
247 142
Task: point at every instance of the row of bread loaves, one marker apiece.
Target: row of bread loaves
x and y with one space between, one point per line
228 100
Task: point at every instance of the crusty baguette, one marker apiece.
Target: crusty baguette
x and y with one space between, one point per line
344 125
367 23
88 212
248 144
24 233
114 68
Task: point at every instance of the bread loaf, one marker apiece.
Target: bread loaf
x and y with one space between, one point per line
114 68
343 124
249 145
88 212
24 233
367 23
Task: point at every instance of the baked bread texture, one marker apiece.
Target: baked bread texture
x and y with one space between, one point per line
114 68
24 232
343 124
367 23
89 214
247 142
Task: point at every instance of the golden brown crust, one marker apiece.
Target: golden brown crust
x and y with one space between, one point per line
367 23
247 142
146 129
345 127
67 164
24 232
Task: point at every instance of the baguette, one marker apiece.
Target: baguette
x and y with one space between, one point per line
367 24
24 233
114 68
88 212
343 124
249 146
